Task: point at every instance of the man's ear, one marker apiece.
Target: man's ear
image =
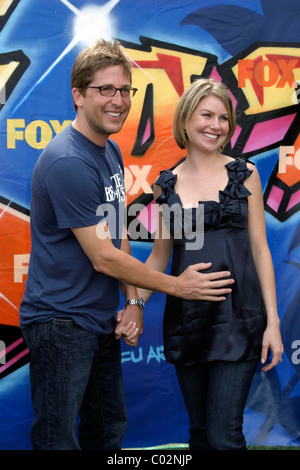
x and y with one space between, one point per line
77 97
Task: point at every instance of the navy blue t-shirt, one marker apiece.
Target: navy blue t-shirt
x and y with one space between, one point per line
75 183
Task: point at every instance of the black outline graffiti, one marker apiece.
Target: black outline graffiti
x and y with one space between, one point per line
4 18
23 63
140 148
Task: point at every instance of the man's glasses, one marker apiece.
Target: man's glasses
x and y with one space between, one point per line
110 91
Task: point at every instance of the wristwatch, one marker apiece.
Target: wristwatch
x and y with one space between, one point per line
140 302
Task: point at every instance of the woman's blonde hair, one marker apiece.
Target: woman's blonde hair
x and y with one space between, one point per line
189 101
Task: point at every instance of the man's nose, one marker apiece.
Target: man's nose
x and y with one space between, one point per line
117 97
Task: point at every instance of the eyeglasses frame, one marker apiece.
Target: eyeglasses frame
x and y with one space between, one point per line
132 90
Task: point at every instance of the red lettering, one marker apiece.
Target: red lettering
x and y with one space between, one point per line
266 72
263 68
287 75
245 70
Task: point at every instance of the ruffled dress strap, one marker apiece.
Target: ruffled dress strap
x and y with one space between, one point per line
166 181
230 197
238 172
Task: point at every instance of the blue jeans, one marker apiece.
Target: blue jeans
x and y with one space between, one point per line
74 371
215 396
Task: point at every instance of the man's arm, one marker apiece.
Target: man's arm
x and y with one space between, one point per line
107 259
131 314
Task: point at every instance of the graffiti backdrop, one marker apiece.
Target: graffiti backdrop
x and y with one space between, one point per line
255 50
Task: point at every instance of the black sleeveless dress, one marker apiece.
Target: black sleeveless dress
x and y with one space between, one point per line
231 330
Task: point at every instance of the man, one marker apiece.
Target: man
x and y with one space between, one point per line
77 265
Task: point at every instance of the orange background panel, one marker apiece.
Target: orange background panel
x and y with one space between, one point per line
14 240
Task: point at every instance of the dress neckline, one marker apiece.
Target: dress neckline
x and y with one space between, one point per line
237 171
220 191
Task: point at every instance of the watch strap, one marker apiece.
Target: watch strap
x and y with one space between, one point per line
140 302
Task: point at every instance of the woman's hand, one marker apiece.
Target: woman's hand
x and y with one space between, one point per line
271 340
129 324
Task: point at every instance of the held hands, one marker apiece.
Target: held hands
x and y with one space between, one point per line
195 285
129 324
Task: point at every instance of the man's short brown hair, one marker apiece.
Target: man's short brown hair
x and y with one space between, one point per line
100 55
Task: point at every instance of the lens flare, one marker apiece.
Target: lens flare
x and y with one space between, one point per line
94 22
91 23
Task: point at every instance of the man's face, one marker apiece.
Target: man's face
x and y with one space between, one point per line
99 115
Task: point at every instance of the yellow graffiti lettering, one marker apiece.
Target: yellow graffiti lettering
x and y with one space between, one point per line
12 133
59 127
37 134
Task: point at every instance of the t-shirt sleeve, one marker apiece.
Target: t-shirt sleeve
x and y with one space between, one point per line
76 192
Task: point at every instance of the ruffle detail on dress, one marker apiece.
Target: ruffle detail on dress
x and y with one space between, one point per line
238 172
166 181
214 211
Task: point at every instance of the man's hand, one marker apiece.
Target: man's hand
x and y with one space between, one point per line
195 285
129 324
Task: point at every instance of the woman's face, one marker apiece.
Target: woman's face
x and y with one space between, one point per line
208 126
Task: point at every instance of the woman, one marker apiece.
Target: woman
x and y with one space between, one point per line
215 346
